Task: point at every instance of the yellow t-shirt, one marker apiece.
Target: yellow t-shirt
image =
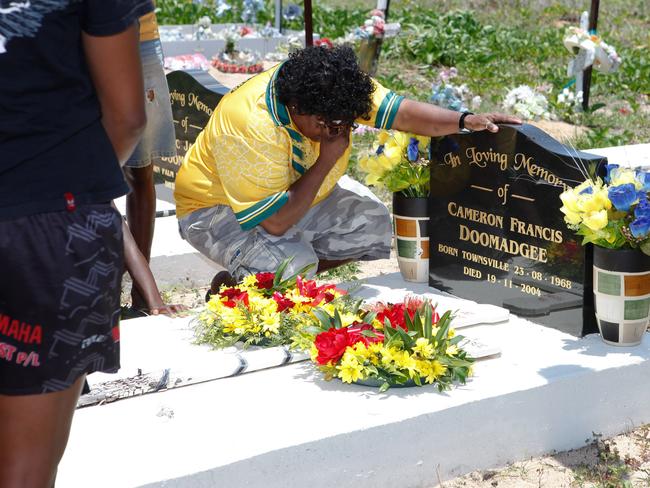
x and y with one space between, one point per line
250 152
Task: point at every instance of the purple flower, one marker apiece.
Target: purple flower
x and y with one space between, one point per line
640 227
622 196
412 150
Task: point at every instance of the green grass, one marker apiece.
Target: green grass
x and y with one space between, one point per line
495 45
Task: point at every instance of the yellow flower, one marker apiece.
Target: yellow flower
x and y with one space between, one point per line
621 176
363 164
392 156
388 355
349 370
572 218
372 180
404 360
589 203
270 321
596 220
423 141
348 318
249 281
423 347
382 137
570 200
313 352
400 139
436 370
361 350
452 350
451 333
602 198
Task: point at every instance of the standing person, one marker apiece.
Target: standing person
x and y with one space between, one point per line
71 111
259 185
157 141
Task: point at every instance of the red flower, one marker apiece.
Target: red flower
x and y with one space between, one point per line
355 332
324 42
395 313
318 294
283 302
234 295
265 280
331 345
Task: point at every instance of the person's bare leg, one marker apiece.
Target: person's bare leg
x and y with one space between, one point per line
324 265
140 215
35 431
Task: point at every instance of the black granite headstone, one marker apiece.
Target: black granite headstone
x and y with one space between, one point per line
194 94
496 231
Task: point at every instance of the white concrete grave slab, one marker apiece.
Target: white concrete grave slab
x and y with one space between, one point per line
286 427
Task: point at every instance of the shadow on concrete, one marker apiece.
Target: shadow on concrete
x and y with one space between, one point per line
593 345
309 372
553 373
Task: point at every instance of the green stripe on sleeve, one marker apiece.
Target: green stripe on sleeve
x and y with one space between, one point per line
392 112
263 209
382 110
298 167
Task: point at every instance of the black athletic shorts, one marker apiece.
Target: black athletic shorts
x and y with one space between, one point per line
59 298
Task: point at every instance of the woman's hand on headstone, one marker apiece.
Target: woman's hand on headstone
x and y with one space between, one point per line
478 122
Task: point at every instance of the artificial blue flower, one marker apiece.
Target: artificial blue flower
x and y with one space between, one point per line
643 178
622 196
640 227
412 150
587 191
609 168
643 207
292 12
380 150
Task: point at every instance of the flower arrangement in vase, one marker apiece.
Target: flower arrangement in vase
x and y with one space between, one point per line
614 214
400 162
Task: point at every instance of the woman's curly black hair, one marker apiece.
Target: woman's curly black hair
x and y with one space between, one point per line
326 82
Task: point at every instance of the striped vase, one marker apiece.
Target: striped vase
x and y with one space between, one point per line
621 294
411 229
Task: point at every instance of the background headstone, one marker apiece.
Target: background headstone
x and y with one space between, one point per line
194 95
496 232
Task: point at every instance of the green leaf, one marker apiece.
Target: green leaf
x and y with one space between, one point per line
369 317
338 323
385 386
323 317
280 271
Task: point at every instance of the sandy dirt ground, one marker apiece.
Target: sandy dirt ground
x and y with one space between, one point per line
620 462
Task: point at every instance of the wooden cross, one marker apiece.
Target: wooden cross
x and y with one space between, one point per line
586 79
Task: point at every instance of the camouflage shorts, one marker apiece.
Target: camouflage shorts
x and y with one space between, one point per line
349 224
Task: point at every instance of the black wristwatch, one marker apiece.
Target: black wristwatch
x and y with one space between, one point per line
461 121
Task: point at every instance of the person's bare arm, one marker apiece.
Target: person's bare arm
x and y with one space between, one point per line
116 71
303 191
429 120
142 276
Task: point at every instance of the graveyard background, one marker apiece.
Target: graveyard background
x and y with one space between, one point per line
496 46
